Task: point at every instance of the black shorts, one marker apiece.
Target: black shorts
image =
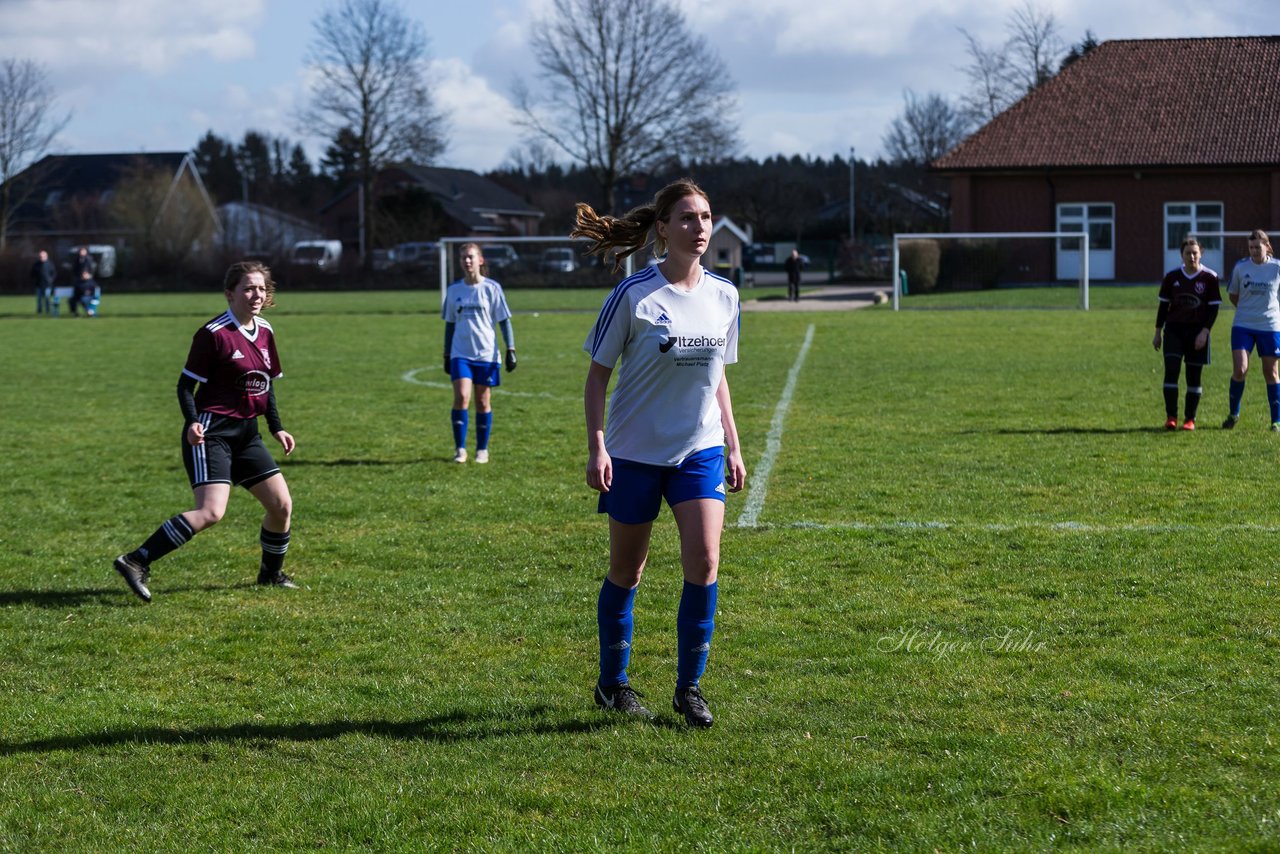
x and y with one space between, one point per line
232 452
1180 342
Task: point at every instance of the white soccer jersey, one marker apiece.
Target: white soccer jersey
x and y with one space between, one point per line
1257 286
475 310
674 345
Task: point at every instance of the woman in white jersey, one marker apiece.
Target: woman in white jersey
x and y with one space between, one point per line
1255 292
473 306
670 434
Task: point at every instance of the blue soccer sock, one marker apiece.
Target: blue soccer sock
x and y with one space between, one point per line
459 418
1273 398
613 615
695 621
484 422
1234 394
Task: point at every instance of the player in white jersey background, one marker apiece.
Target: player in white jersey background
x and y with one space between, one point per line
474 307
670 434
1255 292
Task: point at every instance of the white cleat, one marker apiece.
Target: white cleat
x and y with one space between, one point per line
482 457
460 456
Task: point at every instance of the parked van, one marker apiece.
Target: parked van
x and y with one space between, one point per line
322 255
501 256
558 259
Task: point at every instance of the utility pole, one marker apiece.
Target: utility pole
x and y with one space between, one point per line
852 197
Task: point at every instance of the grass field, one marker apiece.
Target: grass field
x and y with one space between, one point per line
987 603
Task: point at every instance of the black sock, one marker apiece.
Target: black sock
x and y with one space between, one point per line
1194 390
274 547
173 534
1172 365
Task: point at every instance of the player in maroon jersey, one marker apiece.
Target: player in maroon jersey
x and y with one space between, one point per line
226 384
1189 301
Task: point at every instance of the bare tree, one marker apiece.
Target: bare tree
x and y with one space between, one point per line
1001 74
927 128
1034 43
990 91
27 128
627 87
369 59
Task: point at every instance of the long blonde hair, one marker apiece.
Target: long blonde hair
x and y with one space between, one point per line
629 233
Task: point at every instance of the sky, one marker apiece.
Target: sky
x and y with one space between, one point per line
155 75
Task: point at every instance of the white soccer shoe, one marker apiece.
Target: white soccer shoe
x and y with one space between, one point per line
460 456
482 456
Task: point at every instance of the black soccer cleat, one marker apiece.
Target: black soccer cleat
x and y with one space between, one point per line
622 698
1230 422
135 574
267 578
690 703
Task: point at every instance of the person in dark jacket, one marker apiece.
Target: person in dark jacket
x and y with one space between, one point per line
43 275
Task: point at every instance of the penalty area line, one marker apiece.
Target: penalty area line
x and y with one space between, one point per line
773 442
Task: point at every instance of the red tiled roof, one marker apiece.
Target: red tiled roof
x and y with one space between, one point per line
1141 102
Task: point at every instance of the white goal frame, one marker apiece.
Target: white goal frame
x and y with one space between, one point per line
446 243
1083 237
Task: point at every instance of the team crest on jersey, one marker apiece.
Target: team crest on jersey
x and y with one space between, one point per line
266 357
1199 287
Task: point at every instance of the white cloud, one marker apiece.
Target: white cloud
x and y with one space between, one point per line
482 127
89 36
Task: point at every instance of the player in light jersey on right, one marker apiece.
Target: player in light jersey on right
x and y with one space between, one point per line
670 433
1255 292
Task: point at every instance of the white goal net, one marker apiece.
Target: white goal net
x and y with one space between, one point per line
1029 269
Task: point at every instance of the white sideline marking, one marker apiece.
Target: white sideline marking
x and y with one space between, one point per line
411 376
773 442
1067 527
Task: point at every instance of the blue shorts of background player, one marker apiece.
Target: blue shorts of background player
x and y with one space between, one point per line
480 373
1267 342
636 493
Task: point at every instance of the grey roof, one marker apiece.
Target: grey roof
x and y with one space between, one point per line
467 197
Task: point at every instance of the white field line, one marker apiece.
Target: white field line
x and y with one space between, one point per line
411 376
759 480
1066 527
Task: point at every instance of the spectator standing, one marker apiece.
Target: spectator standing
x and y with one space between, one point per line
43 275
794 265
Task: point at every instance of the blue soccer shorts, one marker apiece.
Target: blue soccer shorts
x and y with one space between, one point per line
1268 343
635 496
480 373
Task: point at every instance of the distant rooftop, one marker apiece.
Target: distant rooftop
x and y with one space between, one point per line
1141 103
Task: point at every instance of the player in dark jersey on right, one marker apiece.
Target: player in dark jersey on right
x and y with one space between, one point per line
233 360
1189 299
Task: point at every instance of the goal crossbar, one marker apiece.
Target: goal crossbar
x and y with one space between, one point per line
1081 236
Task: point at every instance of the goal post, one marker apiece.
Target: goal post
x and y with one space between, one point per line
1036 266
525 262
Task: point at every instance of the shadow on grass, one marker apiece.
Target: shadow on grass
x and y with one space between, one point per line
347 462
98 596
447 728
1069 431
